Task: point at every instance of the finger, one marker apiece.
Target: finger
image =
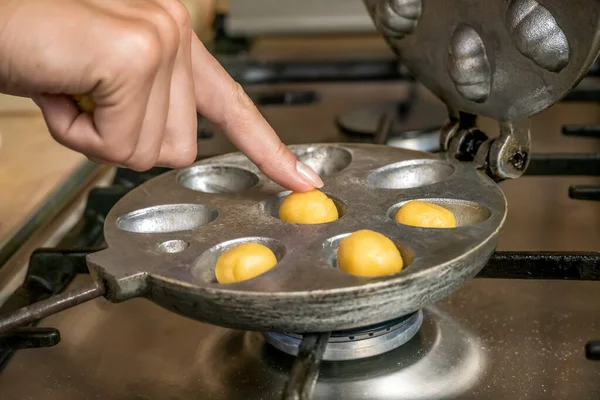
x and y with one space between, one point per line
123 96
68 126
152 129
179 147
222 101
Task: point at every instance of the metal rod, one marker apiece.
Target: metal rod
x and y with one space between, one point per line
584 266
29 338
50 306
384 126
582 130
583 94
585 192
305 370
557 164
592 350
262 72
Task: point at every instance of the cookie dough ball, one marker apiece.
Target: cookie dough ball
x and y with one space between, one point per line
369 254
85 103
312 207
425 215
243 262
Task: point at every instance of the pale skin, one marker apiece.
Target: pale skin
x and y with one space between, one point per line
148 74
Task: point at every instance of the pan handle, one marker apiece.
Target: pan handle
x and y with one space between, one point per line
50 306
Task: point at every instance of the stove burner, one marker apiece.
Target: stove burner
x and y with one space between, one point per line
356 343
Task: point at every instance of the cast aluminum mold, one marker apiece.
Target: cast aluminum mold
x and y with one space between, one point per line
503 59
165 236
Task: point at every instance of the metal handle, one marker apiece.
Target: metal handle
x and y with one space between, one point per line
50 306
29 338
305 370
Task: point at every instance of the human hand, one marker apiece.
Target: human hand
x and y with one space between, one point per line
147 73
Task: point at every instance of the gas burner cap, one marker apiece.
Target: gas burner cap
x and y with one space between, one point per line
356 343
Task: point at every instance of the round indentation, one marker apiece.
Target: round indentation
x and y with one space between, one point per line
410 174
271 205
330 248
465 212
205 266
217 178
173 246
167 218
325 160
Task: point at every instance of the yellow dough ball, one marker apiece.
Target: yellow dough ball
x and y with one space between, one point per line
425 215
85 103
312 207
243 262
369 254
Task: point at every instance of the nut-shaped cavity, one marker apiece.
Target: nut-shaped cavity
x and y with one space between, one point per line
537 35
466 212
272 204
205 266
331 245
411 174
173 246
397 18
167 218
325 160
217 178
468 64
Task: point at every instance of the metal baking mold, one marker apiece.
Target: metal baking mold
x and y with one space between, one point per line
503 59
164 238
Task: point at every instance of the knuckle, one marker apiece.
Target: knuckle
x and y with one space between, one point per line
180 14
140 161
118 152
166 27
143 164
237 108
179 152
241 98
140 49
184 158
279 152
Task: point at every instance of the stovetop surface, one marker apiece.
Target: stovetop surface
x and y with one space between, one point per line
492 339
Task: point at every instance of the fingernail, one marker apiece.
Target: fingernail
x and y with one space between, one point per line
309 175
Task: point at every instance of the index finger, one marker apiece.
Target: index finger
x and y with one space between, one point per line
223 102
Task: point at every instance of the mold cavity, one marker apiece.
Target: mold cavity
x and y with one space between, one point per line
411 174
325 160
217 178
205 266
465 212
167 218
330 248
173 246
271 205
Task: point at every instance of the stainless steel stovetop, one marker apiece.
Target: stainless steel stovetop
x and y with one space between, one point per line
492 339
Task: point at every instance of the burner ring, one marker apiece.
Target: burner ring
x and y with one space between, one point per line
356 343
